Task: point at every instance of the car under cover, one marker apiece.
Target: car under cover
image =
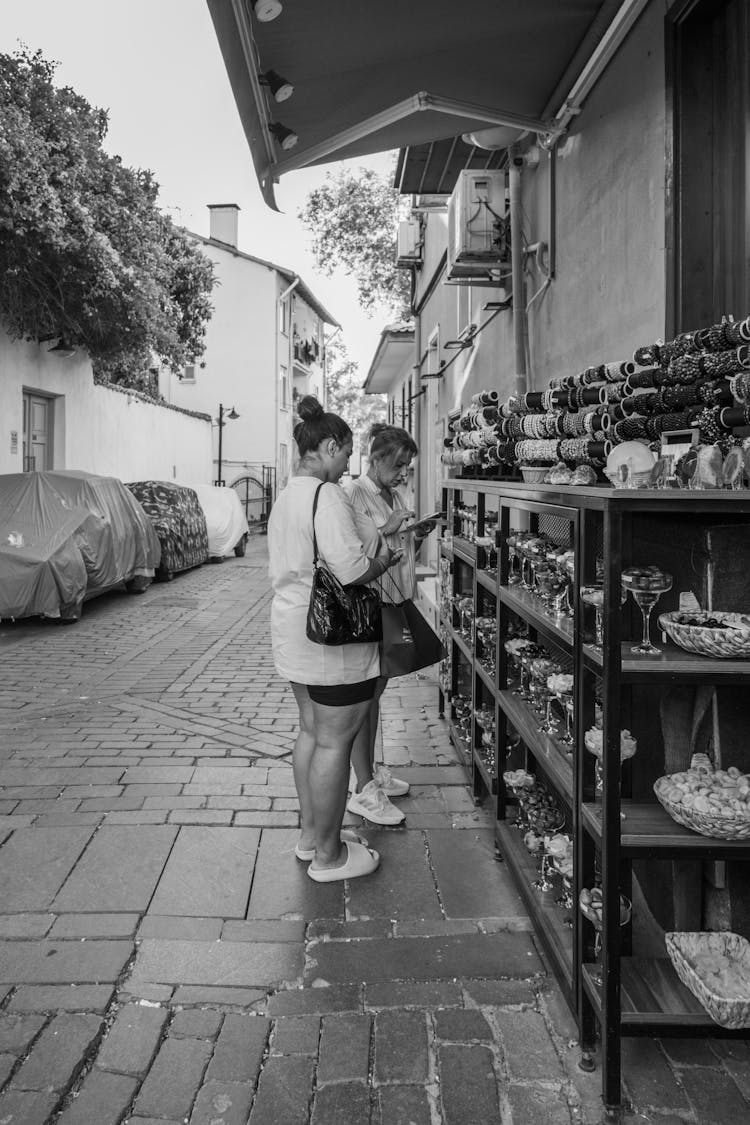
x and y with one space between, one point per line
66 536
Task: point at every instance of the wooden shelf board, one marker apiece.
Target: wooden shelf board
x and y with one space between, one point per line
465 550
653 997
488 583
648 826
464 755
671 663
529 607
544 748
462 644
490 782
548 918
486 678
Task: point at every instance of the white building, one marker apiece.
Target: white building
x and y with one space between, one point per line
264 347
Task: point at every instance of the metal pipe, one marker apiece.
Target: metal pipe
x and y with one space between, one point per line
517 264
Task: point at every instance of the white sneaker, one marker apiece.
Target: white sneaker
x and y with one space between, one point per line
373 805
391 786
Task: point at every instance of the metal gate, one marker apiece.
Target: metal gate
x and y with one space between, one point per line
257 492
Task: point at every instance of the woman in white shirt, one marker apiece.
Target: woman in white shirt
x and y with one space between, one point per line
333 685
375 495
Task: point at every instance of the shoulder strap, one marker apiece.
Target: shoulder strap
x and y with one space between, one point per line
314 510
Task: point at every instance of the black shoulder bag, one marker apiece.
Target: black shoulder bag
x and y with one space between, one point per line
337 614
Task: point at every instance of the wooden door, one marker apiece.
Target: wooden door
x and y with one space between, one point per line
37 433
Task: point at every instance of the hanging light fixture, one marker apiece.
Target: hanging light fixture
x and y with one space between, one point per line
267 10
63 348
287 138
279 87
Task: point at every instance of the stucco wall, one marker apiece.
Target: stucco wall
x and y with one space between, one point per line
241 362
608 295
95 428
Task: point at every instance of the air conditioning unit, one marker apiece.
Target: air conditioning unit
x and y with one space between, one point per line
478 229
409 247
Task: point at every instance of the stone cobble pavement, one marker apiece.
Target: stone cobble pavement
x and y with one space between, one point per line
164 958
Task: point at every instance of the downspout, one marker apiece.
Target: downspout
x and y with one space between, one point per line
520 330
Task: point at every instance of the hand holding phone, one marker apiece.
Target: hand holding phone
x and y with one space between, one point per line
423 520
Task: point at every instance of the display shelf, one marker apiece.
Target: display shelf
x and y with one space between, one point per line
655 1001
489 779
548 918
672 663
527 605
608 530
545 749
462 644
649 827
486 678
489 582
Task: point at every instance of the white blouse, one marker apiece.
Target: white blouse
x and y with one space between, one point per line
400 581
345 543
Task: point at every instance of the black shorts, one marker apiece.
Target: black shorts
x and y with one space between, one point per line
341 695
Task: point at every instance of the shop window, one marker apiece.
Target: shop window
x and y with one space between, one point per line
708 68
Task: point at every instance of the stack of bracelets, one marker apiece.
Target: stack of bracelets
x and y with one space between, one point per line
700 379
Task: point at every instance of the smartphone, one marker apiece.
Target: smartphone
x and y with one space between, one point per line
424 519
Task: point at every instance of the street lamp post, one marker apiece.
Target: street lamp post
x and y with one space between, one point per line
221 423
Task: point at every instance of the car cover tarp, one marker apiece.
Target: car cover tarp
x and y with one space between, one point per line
65 536
225 519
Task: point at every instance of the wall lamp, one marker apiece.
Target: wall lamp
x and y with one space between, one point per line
267 10
287 138
279 87
63 348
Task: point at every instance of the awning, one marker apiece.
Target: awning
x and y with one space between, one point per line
433 168
375 76
394 353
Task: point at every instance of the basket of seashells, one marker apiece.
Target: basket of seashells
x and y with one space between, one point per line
709 634
712 802
716 969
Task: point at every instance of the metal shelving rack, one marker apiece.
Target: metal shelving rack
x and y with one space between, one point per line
637 995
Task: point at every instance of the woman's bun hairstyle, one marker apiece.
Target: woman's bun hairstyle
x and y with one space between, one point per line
315 425
308 408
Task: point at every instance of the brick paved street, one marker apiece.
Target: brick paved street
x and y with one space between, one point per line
163 956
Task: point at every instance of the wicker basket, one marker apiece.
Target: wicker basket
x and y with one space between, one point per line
728 643
720 826
692 954
534 474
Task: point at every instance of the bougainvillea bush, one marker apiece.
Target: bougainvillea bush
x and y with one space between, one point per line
85 253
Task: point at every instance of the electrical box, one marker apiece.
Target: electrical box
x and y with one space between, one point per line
479 228
409 248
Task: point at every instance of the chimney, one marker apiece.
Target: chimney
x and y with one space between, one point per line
223 226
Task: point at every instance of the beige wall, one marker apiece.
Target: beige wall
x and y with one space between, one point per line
95 428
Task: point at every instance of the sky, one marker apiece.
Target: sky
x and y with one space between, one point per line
155 65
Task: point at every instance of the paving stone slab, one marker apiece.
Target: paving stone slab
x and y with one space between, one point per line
245 998
263 931
16 1032
222 1103
174 1078
62 962
401 1047
461 1025
655 1083
27 1107
404 1104
164 775
472 883
284 1092
102 882
403 886
185 929
468 1085
208 874
531 1105
35 863
25 925
132 1040
95 926
218 963
239 1049
59 1053
344 1104
527 1046
344 1048
407 994
103 1098
499 993
195 1024
439 958
281 887
62 998
340 998
712 1097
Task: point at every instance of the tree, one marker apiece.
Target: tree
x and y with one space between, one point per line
345 394
354 220
85 252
